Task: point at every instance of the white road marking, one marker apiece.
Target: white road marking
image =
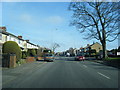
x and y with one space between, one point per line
85 66
103 75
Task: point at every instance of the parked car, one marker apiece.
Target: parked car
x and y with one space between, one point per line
79 58
49 57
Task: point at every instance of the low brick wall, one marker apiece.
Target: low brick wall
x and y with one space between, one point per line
40 58
30 59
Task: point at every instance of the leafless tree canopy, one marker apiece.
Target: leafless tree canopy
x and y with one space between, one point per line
97 20
54 46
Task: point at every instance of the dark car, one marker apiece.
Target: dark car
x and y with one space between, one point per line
49 57
79 58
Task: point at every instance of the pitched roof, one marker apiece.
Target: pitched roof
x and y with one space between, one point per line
95 43
3 31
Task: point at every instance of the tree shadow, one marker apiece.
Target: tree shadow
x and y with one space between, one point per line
115 65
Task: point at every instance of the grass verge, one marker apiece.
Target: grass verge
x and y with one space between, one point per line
112 58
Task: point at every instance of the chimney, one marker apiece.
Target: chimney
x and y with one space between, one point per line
81 48
3 28
20 37
88 44
27 40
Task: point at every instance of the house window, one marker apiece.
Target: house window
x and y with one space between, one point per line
5 38
0 36
15 40
9 37
19 42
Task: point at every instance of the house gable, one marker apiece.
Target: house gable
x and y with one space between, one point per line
97 47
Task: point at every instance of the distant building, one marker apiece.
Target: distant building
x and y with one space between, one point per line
92 49
76 51
71 51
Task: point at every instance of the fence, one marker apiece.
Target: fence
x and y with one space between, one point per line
8 60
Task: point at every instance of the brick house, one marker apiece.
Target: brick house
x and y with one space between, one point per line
92 49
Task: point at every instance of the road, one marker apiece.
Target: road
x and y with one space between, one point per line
62 73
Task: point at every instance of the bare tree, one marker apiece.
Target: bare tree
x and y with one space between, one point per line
98 20
71 51
54 46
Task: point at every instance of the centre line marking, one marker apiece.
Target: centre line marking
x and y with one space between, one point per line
103 75
85 66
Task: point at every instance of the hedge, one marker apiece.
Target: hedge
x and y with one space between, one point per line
12 47
31 52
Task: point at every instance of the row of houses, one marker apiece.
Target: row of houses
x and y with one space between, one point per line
24 44
92 49
89 49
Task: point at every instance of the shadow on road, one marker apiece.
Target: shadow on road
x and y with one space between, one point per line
69 60
108 63
40 60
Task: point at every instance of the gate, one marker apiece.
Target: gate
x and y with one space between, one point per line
8 60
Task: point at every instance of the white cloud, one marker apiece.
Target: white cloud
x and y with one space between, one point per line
54 19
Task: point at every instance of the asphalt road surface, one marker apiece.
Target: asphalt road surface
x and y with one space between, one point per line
62 73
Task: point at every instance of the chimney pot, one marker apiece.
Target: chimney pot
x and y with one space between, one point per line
27 40
3 28
88 45
20 37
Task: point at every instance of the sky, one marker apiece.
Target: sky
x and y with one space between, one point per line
44 23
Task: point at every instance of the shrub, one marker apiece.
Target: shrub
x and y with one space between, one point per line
31 52
24 54
39 53
12 47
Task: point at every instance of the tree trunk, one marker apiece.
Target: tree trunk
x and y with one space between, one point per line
104 50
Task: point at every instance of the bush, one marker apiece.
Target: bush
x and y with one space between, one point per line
24 54
31 52
22 61
41 54
12 47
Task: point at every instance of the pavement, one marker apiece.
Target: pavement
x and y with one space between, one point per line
108 63
62 73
